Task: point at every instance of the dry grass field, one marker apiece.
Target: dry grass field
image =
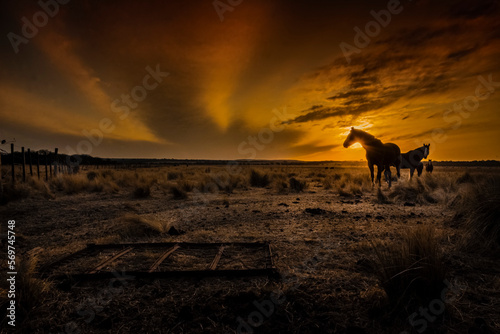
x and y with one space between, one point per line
352 258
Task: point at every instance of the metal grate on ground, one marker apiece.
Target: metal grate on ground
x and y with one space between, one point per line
164 260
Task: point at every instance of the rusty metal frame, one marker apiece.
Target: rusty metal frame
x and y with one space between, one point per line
111 259
96 273
163 257
216 260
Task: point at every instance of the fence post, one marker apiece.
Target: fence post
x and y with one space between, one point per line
1 184
29 160
24 164
38 164
46 171
55 162
12 162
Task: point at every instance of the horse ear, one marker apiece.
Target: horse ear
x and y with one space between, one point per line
352 127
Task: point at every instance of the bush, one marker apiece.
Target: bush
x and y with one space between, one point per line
131 225
478 211
465 178
15 192
32 292
413 191
178 193
91 176
296 185
142 191
172 176
70 184
412 271
259 180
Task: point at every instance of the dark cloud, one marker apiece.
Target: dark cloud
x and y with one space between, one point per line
349 94
473 9
457 55
310 149
360 106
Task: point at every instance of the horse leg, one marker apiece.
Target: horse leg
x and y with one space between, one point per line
379 175
371 173
388 175
398 169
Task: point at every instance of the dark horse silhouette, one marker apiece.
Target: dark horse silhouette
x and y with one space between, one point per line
429 167
411 159
377 153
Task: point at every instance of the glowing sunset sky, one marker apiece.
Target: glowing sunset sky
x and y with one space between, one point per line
225 78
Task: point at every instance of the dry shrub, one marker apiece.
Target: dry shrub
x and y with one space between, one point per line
328 183
207 185
280 183
411 271
226 182
185 185
413 191
258 179
15 192
478 211
142 191
131 225
108 173
70 184
31 292
178 193
355 189
465 178
41 187
92 175
382 198
359 179
297 185
173 175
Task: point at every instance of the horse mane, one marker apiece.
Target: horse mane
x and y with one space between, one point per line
368 138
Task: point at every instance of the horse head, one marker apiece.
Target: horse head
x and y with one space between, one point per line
426 150
351 138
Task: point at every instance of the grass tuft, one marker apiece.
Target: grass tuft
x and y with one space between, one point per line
411 271
31 292
478 211
134 226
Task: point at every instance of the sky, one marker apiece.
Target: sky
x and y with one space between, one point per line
245 79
